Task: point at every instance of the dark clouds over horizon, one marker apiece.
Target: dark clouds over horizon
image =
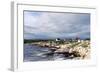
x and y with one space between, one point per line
47 25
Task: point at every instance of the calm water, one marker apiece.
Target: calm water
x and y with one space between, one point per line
36 53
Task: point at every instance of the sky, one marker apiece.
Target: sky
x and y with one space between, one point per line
49 25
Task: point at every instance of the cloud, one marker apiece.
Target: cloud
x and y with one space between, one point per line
43 25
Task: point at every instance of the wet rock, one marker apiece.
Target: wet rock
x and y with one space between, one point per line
49 54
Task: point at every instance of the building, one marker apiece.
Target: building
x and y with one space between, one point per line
57 39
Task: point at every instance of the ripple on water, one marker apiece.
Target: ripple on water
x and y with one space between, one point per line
36 53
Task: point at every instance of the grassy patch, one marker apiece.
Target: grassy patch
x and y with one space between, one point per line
74 44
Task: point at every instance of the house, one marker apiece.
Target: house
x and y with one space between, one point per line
78 39
57 39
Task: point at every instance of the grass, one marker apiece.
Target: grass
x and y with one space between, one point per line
74 44
84 45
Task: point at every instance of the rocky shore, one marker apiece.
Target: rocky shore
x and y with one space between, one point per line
73 50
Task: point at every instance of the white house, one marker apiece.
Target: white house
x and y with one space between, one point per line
57 39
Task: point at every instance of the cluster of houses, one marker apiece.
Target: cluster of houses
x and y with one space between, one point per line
71 40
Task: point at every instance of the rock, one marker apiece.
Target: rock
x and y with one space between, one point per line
53 49
49 54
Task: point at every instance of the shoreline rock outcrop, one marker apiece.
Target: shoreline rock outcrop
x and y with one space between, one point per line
76 50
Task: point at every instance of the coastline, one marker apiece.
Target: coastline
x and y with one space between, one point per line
76 50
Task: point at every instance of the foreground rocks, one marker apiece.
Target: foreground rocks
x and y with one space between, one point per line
74 50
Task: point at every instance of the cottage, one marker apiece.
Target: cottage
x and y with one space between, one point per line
78 39
57 39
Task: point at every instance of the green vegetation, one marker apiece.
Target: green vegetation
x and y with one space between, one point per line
36 40
84 45
74 44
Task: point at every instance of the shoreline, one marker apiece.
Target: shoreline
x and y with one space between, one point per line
75 50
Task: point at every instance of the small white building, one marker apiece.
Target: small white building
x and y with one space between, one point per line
78 40
57 39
